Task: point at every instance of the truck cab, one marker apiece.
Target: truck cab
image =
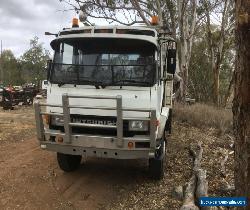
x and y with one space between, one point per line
109 95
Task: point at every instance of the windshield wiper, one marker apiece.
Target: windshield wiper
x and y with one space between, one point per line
91 82
81 82
88 82
60 84
131 81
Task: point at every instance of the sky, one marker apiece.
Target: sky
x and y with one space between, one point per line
21 20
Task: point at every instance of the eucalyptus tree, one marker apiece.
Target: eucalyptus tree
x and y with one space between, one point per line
178 17
33 62
241 105
219 21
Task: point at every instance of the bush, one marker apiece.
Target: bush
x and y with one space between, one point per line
202 116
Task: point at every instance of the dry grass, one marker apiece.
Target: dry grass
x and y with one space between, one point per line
203 116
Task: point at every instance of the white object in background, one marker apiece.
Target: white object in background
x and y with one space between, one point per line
44 84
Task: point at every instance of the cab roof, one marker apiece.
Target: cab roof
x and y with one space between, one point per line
121 32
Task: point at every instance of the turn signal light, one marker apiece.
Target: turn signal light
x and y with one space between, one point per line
130 145
60 139
46 119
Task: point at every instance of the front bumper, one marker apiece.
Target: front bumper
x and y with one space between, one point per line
95 145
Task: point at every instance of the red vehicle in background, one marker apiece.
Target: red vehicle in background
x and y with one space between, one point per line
13 95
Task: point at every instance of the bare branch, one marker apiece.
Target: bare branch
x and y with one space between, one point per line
136 5
114 19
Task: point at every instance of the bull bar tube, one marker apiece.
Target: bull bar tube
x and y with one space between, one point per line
94 145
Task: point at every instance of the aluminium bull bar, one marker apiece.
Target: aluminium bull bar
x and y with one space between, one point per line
68 124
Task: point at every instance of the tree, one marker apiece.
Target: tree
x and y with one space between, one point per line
176 16
200 76
217 38
241 105
11 70
187 22
34 61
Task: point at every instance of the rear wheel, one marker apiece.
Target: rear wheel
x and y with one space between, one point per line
156 164
68 162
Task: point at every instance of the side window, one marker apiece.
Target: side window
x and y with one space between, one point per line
67 54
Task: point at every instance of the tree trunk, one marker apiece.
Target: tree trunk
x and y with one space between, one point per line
241 106
216 50
230 90
216 85
186 23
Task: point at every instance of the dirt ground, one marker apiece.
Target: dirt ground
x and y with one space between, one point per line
31 179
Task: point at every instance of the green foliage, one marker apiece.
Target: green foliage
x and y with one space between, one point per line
29 68
34 61
200 74
10 68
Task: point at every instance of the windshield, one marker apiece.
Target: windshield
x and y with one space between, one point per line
102 62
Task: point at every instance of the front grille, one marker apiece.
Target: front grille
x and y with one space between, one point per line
92 119
105 120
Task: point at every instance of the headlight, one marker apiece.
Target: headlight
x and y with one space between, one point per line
57 120
138 125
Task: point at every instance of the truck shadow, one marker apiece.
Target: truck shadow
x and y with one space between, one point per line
116 168
101 181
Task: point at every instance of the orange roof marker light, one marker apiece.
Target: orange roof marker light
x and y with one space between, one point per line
75 22
154 20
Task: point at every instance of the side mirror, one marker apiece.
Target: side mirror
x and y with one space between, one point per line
171 61
49 65
49 34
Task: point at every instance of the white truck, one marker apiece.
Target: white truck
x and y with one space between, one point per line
109 95
44 84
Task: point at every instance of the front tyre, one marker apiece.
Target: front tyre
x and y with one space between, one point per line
68 162
156 164
168 126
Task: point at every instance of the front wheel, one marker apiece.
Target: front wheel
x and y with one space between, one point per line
156 164
68 162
